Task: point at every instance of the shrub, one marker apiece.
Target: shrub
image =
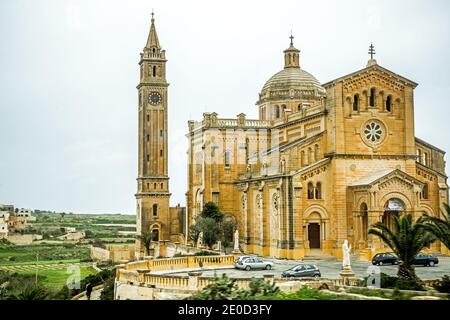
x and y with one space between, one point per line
443 285
400 283
225 288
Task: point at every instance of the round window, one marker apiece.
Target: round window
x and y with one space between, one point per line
373 132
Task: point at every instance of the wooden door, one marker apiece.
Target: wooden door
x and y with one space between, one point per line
314 235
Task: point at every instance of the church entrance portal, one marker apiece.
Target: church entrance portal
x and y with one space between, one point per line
393 207
314 235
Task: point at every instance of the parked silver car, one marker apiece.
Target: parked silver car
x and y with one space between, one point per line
239 260
254 263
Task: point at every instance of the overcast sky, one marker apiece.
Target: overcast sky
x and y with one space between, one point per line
69 70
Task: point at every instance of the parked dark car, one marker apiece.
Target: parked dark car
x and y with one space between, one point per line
385 258
423 259
302 270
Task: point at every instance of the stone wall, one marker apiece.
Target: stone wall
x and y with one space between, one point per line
24 239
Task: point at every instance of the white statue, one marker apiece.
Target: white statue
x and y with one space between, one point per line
236 241
346 255
200 240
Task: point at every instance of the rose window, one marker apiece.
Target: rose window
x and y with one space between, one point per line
373 132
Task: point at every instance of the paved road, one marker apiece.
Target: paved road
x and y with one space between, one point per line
95 295
331 269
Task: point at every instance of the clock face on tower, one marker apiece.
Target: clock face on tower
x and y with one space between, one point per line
154 98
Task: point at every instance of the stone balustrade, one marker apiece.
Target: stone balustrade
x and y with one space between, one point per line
180 263
139 274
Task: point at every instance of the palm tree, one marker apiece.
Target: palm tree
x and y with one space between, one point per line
406 240
440 228
31 293
146 239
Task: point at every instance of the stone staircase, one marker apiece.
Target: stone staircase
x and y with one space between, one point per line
318 255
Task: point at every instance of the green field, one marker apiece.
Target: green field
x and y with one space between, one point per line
55 279
46 253
50 225
52 257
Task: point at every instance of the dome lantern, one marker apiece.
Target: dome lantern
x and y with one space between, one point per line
291 55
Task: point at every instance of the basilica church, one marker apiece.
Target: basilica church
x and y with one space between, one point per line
322 162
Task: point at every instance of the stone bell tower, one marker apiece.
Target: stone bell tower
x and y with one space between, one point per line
152 210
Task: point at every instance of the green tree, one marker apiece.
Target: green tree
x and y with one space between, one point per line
228 227
406 240
211 230
440 228
146 239
194 233
108 290
211 210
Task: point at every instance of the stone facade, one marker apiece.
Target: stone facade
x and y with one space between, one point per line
320 165
153 212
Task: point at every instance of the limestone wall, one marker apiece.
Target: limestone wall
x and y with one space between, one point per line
99 254
24 238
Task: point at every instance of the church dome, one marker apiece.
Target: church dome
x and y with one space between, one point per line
292 82
296 79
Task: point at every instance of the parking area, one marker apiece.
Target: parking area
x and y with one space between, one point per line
331 269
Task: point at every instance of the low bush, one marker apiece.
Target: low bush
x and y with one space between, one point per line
443 285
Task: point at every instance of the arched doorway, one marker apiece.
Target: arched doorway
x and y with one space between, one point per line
155 235
364 221
392 208
314 235
316 227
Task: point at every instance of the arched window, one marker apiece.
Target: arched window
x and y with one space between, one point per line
316 152
154 185
389 104
162 185
310 190
425 158
277 112
154 71
227 158
303 158
419 155
318 190
299 107
372 97
310 155
155 210
154 50
424 193
356 102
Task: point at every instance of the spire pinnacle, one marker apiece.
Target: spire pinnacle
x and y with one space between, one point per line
152 41
371 51
371 61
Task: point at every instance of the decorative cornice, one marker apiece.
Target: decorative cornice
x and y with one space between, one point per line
153 177
369 156
153 194
153 84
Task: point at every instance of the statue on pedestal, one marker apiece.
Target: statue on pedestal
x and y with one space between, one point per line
200 240
236 242
346 273
346 255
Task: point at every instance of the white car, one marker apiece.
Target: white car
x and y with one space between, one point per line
250 263
239 260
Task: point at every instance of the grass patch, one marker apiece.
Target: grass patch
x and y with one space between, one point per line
56 278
